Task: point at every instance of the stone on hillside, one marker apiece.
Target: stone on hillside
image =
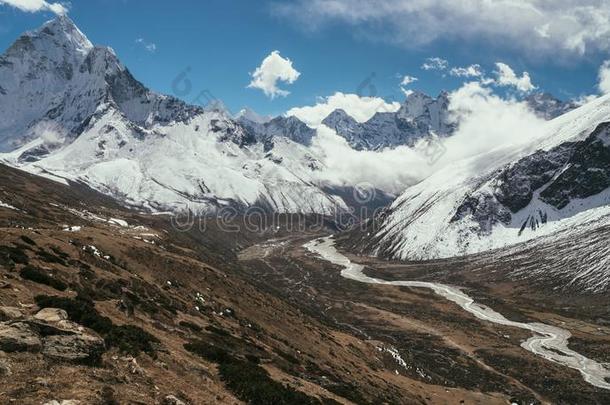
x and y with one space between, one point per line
18 337
172 400
10 313
51 315
64 402
77 348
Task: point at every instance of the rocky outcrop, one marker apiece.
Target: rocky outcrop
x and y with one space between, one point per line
587 172
51 315
10 313
172 400
419 117
5 365
19 337
516 184
49 331
77 348
287 127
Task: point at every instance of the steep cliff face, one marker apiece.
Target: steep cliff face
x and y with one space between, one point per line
420 116
547 106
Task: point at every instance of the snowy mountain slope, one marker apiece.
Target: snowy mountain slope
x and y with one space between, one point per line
512 194
575 258
279 127
420 116
71 110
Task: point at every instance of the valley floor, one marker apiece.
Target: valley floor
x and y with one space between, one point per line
211 317
430 340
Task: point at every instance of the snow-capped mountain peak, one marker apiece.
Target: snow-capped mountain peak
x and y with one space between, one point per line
73 111
55 40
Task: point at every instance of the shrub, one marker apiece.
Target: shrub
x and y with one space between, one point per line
208 351
130 339
41 277
28 240
191 326
51 258
108 396
246 379
60 252
252 384
218 331
79 310
9 256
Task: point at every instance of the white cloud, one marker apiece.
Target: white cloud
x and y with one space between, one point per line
390 170
584 99
406 92
486 122
435 63
32 6
149 46
407 80
360 108
51 133
533 26
272 70
604 78
506 76
468 71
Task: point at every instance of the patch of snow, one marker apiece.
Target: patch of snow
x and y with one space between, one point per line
10 207
119 222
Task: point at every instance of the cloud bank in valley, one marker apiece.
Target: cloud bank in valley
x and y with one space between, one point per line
359 108
486 121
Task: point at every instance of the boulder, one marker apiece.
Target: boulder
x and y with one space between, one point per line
18 337
70 326
78 348
5 365
48 329
172 400
64 402
51 315
10 313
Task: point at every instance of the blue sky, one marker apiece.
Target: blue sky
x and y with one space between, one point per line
223 41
